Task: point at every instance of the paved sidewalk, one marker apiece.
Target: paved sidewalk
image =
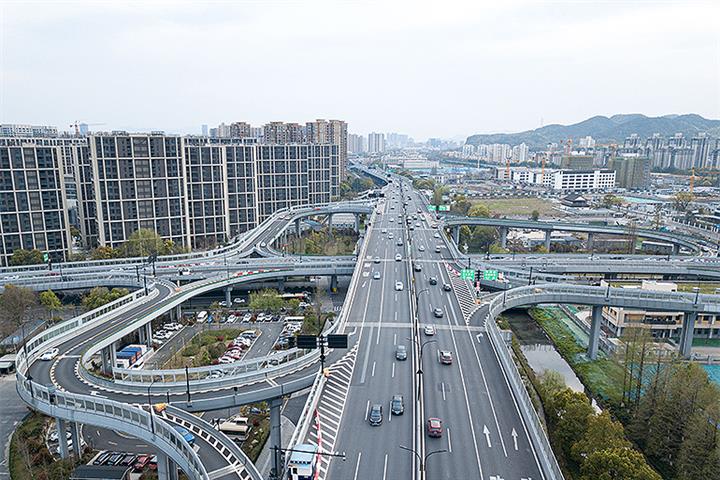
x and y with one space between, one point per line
12 411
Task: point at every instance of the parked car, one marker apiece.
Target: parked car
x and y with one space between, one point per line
141 462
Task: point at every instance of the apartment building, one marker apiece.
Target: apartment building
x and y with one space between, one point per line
324 132
199 192
139 181
662 324
33 200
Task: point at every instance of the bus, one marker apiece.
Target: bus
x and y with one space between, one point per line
236 428
297 296
303 462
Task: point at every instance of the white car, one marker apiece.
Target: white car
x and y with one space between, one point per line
421 248
384 230
429 330
239 300
50 354
247 317
225 360
437 235
376 276
172 326
398 257
231 318
391 236
398 286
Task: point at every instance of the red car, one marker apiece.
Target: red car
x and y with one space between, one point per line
434 427
141 462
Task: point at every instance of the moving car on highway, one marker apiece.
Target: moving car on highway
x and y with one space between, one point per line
434 427
376 415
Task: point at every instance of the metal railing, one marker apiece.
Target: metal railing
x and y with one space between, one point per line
112 415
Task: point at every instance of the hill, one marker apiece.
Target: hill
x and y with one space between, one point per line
605 130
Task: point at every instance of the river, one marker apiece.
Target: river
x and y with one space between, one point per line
539 349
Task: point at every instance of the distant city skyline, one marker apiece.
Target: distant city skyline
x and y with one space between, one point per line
427 69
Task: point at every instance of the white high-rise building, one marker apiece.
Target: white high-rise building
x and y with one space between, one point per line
376 142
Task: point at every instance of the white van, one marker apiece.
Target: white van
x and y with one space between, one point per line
202 316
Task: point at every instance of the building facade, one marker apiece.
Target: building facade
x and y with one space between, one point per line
376 142
631 171
33 201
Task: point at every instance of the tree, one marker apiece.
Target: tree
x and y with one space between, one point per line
602 432
437 196
617 464
699 456
15 303
99 296
26 257
461 205
142 243
479 210
570 417
682 200
266 299
50 301
535 215
104 253
610 201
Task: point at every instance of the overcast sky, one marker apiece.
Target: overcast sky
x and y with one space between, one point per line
428 68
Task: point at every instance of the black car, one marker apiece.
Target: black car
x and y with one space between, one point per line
376 415
397 405
433 281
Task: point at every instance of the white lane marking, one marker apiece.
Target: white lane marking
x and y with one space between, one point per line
449 441
486 432
373 369
394 338
363 285
385 467
367 410
443 390
393 370
357 466
514 435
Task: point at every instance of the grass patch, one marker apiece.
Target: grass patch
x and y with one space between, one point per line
520 206
259 433
341 242
204 348
602 377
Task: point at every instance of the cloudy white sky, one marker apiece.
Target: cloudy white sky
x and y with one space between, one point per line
427 68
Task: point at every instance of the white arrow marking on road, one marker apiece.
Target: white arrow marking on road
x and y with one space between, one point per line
486 432
514 435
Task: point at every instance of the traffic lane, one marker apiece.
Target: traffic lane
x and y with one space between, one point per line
498 415
40 370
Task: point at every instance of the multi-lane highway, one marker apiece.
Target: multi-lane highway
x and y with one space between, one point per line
484 435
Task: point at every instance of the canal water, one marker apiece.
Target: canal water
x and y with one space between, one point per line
538 348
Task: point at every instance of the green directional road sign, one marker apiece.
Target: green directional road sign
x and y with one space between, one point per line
46 257
431 208
467 274
444 208
490 274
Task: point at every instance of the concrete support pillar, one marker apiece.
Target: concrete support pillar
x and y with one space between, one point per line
163 466
62 438
178 313
142 335
456 235
77 443
686 336
148 334
333 283
547 239
357 222
228 296
172 469
594 332
107 355
676 249
281 284
329 222
297 227
503 237
590 241
275 435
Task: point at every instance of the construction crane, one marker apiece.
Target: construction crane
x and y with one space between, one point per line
710 171
77 124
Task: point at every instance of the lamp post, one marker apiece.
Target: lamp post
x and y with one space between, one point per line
421 459
697 294
152 421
